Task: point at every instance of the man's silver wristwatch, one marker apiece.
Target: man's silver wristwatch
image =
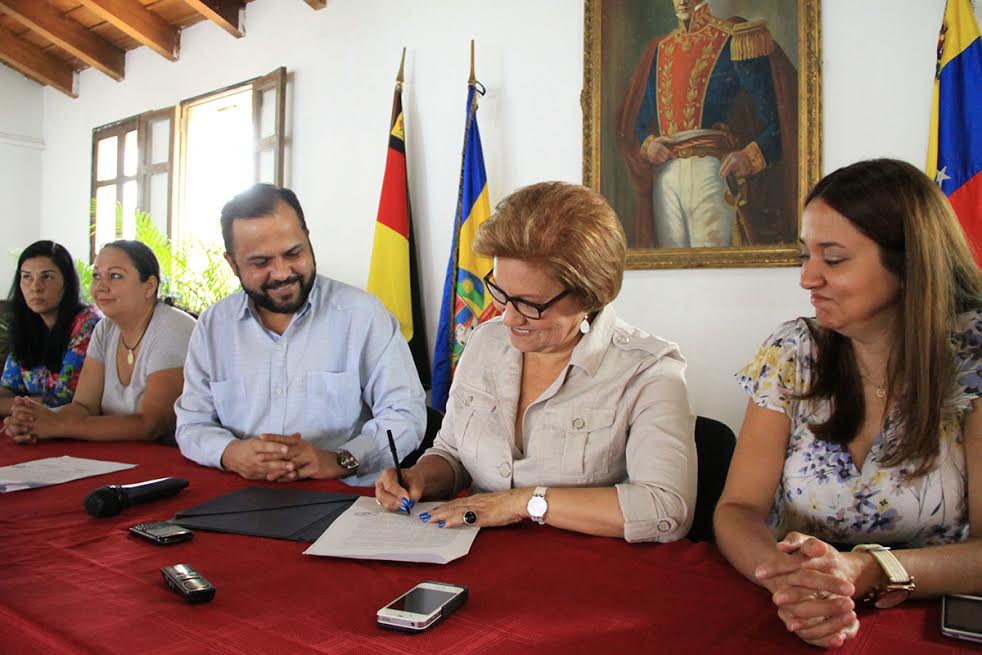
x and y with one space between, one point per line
347 461
538 506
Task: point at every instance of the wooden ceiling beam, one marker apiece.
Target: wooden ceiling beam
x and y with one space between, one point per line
224 13
37 64
141 24
68 35
316 4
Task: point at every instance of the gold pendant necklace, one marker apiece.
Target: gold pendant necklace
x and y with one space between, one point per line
130 358
880 391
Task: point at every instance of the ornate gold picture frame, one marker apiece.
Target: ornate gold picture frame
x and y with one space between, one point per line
702 126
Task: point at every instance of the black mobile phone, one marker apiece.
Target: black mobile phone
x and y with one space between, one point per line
161 532
188 583
961 616
421 607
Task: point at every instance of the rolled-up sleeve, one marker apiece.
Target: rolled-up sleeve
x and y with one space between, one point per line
658 499
200 435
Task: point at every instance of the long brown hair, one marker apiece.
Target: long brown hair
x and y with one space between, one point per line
922 243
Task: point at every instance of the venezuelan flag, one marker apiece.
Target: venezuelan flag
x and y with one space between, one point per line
465 301
954 157
393 275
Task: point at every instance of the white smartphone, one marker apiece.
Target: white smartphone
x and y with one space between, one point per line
423 606
961 617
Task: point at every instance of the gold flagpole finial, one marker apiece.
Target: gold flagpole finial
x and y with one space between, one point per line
472 79
402 66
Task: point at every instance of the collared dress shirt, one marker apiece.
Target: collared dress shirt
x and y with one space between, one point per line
340 375
618 415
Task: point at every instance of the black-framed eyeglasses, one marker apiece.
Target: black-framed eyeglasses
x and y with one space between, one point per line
526 308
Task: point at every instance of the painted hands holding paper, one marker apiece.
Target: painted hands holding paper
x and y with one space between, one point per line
491 509
280 458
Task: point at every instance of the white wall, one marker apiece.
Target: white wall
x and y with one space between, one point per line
343 60
21 144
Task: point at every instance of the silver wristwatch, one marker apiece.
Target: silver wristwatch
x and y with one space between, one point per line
347 461
538 506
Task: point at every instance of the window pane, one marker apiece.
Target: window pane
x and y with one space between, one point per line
267 114
130 154
105 215
158 201
267 169
219 163
159 141
106 159
129 210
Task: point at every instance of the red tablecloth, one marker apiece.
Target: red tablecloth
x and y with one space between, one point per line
75 584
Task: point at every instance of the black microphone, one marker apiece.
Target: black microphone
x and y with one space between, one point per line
113 499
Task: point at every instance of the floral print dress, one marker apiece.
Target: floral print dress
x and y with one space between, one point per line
823 493
56 388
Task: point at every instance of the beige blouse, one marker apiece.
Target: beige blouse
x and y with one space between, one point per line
617 416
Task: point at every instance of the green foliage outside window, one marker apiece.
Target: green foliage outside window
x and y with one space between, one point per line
194 274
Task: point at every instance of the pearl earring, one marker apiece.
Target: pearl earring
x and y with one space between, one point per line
584 325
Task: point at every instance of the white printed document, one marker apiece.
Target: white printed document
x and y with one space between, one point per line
367 530
54 470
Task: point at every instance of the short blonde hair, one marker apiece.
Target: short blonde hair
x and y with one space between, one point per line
569 229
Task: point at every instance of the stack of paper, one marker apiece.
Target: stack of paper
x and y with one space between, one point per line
53 470
368 531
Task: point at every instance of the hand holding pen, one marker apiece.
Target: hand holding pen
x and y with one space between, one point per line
406 503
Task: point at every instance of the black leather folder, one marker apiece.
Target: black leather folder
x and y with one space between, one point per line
294 514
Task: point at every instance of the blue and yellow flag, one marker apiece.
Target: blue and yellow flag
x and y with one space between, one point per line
954 153
465 302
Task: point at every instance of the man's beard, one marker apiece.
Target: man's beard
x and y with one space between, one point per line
262 298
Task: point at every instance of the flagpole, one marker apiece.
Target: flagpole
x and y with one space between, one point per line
402 65
472 79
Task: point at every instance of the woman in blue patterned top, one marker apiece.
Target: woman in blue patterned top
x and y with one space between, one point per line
863 431
49 328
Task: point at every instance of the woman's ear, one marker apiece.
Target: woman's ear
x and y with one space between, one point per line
152 284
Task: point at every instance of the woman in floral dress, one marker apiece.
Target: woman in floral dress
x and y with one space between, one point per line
50 328
858 472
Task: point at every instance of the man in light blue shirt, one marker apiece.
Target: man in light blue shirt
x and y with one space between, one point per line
297 376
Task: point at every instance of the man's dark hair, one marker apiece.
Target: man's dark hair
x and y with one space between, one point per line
30 341
257 201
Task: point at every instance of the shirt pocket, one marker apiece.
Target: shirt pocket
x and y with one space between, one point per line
587 443
229 397
474 413
332 400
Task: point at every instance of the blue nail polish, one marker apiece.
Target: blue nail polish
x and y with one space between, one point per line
403 510
405 501
425 515
412 503
425 518
442 524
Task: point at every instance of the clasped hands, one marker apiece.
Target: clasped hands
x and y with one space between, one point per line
812 584
492 509
31 421
280 458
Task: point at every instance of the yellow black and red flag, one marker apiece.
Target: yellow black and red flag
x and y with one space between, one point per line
393 274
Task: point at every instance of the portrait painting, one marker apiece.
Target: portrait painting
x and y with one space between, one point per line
701 126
